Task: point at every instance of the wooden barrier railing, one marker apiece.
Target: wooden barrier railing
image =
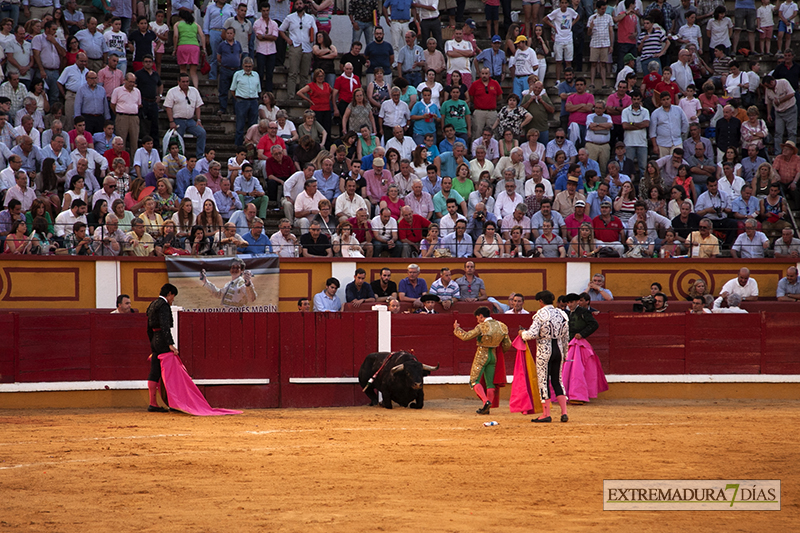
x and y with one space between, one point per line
312 359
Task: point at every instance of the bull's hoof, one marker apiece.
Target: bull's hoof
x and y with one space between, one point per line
485 409
373 403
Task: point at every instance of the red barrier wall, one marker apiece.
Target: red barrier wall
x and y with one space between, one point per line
47 347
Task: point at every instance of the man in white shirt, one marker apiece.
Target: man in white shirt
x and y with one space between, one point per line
93 159
743 286
298 30
598 135
394 112
293 186
752 243
458 52
507 200
66 219
183 105
284 242
348 204
652 220
401 143
384 233
306 206
447 224
198 194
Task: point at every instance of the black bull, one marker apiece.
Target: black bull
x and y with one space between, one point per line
400 379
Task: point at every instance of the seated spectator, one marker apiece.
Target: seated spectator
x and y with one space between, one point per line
479 217
699 306
67 219
326 221
470 286
345 243
751 244
788 287
315 243
410 229
445 289
597 291
516 302
284 242
385 235
517 218
517 245
583 243
167 241
459 243
515 161
774 212
21 192
672 247
715 205
574 221
639 243
608 228
549 244
702 243
306 206
448 222
565 200
141 243
490 245
197 243
327 300
787 245
420 201
412 288
742 285
77 242
384 288
123 305
359 292
734 300
431 245
507 200
653 222
547 214
227 242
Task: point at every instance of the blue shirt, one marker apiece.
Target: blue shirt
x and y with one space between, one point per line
216 17
262 245
420 126
613 189
746 209
564 87
749 168
62 161
458 249
33 162
410 291
94 44
446 146
230 55
244 187
449 164
379 55
366 162
351 293
101 144
430 188
433 153
401 9
493 61
242 225
408 56
183 180
591 165
323 302
668 126
92 102
328 188
226 206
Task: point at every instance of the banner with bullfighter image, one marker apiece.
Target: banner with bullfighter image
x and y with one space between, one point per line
225 284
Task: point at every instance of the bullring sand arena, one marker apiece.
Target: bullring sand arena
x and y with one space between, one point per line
369 469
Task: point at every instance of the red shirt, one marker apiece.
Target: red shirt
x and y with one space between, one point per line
359 232
485 96
343 85
607 233
282 170
111 155
573 224
649 83
671 88
413 231
86 135
321 97
266 144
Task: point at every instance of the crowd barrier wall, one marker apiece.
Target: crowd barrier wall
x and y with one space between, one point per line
312 359
81 283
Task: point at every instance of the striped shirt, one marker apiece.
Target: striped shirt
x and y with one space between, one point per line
653 42
450 292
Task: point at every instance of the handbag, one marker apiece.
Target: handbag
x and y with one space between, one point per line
205 67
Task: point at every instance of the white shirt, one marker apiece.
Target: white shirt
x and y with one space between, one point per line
348 207
406 149
283 247
733 190
176 100
198 200
93 158
750 248
504 205
447 225
300 37
635 137
460 64
749 290
395 115
563 23
386 231
7 179
682 75
294 185
35 136
530 188
64 222
525 61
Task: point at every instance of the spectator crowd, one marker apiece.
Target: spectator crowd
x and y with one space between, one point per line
430 160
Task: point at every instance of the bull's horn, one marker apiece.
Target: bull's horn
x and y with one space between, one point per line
430 368
397 368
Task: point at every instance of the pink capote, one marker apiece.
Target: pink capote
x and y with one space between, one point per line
183 393
583 375
524 389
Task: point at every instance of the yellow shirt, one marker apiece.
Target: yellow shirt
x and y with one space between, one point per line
707 248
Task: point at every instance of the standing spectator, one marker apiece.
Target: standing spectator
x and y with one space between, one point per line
668 124
486 94
183 105
458 52
719 30
190 45
362 13
93 44
355 58
72 78
150 85
91 103
729 131
125 102
745 11
766 24
19 56
652 43
410 60
523 64
601 28
430 27
344 89
117 43
320 98
494 59
393 112
110 77
14 91
561 21
242 28
229 57
379 53
266 32
781 96
245 87
579 105
47 54
626 20
214 27
400 13
142 39
565 88
298 30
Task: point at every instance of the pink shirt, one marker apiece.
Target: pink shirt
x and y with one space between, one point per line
578 99
262 28
378 185
614 101
127 102
110 79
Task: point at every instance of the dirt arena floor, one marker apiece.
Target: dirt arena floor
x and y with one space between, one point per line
369 469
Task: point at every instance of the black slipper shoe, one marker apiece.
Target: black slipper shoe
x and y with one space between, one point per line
564 418
485 409
541 420
156 409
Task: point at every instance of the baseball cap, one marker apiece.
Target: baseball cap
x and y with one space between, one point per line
628 57
606 202
580 203
520 39
496 39
470 23
377 162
